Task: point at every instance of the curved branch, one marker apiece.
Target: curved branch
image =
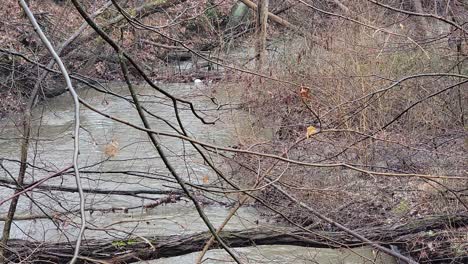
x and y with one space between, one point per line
443 19
76 102
169 166
273 156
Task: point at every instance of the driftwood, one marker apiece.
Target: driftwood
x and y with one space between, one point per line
153 247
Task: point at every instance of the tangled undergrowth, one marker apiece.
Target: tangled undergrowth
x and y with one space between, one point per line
364 116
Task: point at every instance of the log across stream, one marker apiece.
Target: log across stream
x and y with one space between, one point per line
153 247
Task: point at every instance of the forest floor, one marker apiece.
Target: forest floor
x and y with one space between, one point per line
355 199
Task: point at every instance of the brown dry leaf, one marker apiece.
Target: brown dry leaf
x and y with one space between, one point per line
310 131
112 148
305 92
205 179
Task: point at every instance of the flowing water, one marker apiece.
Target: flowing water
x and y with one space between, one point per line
114 156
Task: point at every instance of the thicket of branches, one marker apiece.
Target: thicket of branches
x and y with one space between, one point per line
364 101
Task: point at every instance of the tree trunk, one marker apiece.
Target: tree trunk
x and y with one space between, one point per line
154 247
262 22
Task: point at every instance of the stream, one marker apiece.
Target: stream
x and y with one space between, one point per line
114 156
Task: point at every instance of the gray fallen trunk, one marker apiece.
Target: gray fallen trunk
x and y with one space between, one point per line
154 247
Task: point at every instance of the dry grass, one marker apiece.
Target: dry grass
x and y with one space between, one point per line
342 75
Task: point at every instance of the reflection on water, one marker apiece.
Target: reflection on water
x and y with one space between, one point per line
134 165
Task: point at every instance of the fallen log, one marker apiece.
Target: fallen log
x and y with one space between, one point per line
154 247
